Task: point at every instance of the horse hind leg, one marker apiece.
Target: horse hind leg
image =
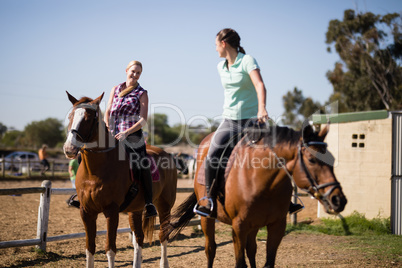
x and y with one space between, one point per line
164 219
135 220
208 227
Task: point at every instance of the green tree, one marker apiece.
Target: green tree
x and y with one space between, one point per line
369 75
160 133
49 131
13 138
298 108
3 129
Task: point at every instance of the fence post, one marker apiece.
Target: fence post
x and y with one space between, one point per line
52 168
3 166
29 168
293 217
43 215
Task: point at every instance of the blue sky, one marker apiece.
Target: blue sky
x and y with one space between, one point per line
48 47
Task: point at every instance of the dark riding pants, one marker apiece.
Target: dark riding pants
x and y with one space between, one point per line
140 164
225 135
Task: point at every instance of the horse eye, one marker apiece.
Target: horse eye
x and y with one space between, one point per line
312 160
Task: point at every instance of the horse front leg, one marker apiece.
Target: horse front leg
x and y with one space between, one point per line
276 231
89 220
251 247
135 220
208 227
112 222
239 241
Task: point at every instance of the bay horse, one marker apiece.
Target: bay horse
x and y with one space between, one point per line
104 183
257 188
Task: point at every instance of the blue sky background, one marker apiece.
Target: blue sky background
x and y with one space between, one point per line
48 47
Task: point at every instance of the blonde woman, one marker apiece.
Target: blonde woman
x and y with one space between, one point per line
126 113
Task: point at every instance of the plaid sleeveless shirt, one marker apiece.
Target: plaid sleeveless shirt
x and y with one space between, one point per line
125 112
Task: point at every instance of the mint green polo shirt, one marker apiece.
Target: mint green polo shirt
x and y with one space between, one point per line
241 100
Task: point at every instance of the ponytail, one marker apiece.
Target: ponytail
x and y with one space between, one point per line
231 37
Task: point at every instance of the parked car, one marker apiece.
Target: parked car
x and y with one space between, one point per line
19 160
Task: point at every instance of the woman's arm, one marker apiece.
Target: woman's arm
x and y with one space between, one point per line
109 107
143 118
256 78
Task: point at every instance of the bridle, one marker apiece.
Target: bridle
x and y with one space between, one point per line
92 129
91 132
314 188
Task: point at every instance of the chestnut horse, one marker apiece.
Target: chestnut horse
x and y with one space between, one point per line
258 188
104 183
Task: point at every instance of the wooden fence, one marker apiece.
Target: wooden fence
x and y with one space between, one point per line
29 165
43 216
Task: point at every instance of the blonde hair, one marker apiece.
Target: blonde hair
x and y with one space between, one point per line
129 89
132 63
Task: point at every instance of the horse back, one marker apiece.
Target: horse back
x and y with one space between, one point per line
167 171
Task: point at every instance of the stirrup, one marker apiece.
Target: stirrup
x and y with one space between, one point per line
295 204
196 207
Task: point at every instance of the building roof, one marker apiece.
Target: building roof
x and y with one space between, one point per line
349 117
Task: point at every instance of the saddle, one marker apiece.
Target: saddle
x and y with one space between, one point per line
132 191
249 135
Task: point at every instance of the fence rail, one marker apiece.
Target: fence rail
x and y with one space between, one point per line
43 216
27 166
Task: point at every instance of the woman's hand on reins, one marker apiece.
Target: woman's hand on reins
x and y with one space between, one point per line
121 136
262 116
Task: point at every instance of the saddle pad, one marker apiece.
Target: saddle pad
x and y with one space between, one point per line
154 169
223 174
201 174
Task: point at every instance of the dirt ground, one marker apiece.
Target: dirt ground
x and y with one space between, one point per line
18 217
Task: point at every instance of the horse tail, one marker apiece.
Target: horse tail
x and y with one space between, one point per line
180 218
148 227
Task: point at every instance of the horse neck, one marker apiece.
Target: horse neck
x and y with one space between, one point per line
103 139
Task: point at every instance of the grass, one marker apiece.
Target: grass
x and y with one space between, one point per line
372 237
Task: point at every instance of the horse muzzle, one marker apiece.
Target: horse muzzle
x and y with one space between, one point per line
335 202
70 151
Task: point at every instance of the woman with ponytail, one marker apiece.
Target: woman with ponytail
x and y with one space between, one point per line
126 113
244 102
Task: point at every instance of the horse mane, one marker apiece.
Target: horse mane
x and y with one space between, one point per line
83 100
272 136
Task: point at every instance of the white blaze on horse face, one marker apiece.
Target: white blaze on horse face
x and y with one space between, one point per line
79 115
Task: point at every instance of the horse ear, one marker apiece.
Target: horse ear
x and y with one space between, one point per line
71 98
98 99
324 131
307 131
